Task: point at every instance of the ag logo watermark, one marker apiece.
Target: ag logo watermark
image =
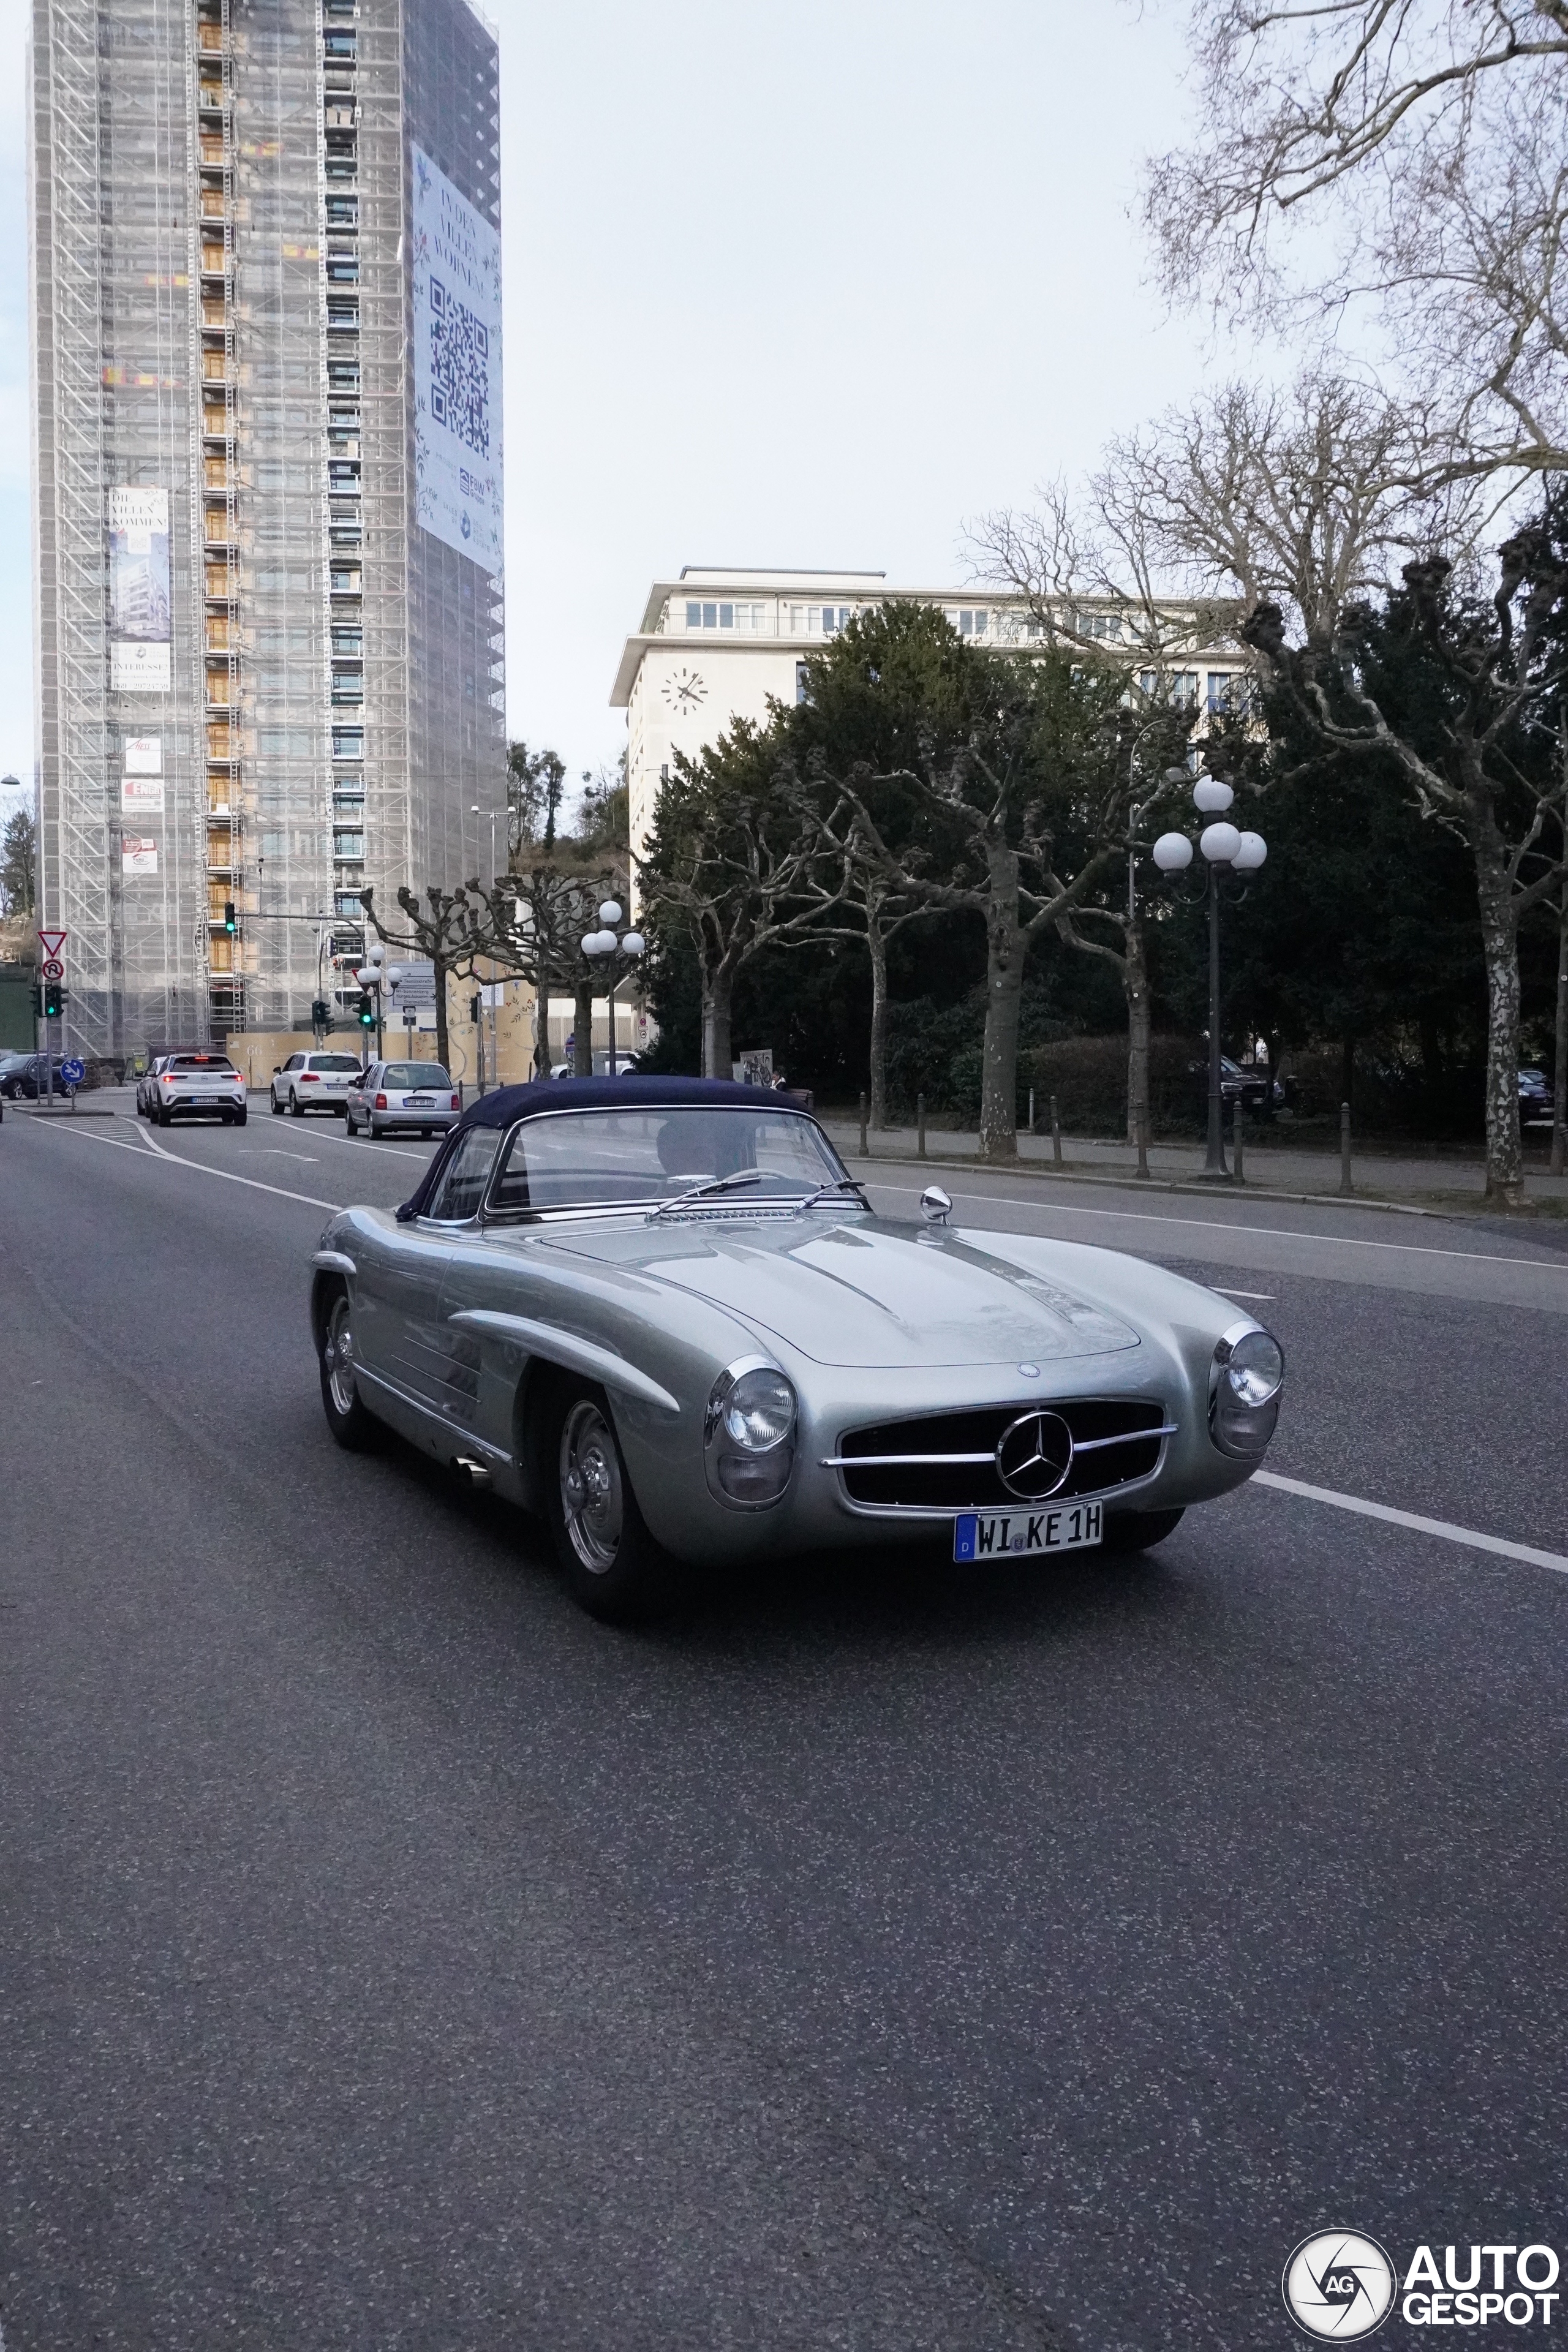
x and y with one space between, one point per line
1339 2286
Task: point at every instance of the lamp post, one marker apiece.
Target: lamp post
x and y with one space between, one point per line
601 945
495 817
1225 850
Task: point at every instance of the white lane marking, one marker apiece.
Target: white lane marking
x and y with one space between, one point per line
254 1183
1269 1232
269 1151
1443 1527
366 1143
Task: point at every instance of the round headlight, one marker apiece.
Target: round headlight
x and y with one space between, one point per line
759 1411
1256 1368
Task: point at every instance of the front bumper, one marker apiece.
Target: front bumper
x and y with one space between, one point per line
816 1512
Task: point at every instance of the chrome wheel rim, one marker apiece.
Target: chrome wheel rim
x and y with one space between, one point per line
591 1497
338 1357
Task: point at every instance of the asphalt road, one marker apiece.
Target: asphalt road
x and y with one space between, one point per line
876 1956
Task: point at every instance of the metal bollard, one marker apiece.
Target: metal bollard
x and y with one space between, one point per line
1031 1111
920 1127
865 1152
1345 1184
1239 1155
1055 1134
1143 1145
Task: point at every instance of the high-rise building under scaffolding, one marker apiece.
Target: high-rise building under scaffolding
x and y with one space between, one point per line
268 485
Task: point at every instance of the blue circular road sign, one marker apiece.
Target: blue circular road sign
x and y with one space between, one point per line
73 1072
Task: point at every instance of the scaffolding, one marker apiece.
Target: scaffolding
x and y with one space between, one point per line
221 292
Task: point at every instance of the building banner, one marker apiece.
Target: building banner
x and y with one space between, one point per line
143 755
138 854
141 795
140 606
457 369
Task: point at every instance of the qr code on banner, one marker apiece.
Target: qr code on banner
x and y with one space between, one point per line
459 370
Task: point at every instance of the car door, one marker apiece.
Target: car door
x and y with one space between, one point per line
402 1330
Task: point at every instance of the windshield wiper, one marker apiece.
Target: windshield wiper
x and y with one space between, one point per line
704 1191
826 1191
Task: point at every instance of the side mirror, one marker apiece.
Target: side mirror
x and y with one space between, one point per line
277 1069
935 1206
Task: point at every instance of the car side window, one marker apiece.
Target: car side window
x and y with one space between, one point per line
295 1062
462 1187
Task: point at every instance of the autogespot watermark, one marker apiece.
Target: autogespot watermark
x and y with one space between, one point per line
1341 2285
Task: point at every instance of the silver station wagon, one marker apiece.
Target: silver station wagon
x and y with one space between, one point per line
404 1098
661 1314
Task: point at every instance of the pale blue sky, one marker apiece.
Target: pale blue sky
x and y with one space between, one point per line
803 284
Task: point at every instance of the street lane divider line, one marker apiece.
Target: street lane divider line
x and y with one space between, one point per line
1266 1232
1445 1528
199 1168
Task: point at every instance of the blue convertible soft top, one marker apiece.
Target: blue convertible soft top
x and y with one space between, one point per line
510 1103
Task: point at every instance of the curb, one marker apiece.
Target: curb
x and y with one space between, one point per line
36 1111
1054 1175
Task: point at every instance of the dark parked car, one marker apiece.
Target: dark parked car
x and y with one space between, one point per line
23 1074
1537 1105
1250 1088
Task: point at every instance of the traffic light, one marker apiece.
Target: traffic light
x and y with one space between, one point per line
37 1001
321 1014
366 1013
54 999
229 924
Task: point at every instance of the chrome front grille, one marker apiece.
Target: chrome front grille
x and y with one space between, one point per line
947 1461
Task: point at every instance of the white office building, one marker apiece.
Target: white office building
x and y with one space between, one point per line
716 644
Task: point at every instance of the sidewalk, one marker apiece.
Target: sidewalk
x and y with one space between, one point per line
1408 1178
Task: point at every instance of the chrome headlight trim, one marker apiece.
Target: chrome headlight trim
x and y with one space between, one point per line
744 1477
1239 1427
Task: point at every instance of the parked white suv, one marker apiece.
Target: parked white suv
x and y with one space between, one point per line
415 1095
314 1082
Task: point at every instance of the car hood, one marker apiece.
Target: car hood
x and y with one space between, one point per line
867 1293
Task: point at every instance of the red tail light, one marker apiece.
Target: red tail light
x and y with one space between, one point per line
455 1103
309 1079
380 1102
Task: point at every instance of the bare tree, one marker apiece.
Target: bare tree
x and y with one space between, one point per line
867 889
733 863
532 924
1026 797
1421 146
446 930
1499 671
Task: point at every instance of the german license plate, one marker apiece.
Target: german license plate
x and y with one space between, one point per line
421 1102
992 1535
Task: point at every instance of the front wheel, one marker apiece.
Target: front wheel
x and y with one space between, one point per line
354 1429
613 1566
1137 1530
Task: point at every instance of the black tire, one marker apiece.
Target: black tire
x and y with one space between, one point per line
276 1106
296 1108
355 1430
613 1567
241 1116
1128 1531
425 1133
351 1125
162 1118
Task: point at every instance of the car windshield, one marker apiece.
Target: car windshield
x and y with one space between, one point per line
334 1062
605 1159
415 1073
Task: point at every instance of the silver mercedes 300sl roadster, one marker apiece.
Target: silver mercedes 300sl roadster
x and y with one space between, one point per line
662 1313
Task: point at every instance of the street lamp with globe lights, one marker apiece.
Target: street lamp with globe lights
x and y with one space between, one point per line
1226 849
599 947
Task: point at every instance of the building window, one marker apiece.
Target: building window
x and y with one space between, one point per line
1099 625
348 844
346 902
966 620
1228 693
348 743
1185 689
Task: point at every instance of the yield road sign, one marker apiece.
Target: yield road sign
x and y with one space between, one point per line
52 941
54 968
